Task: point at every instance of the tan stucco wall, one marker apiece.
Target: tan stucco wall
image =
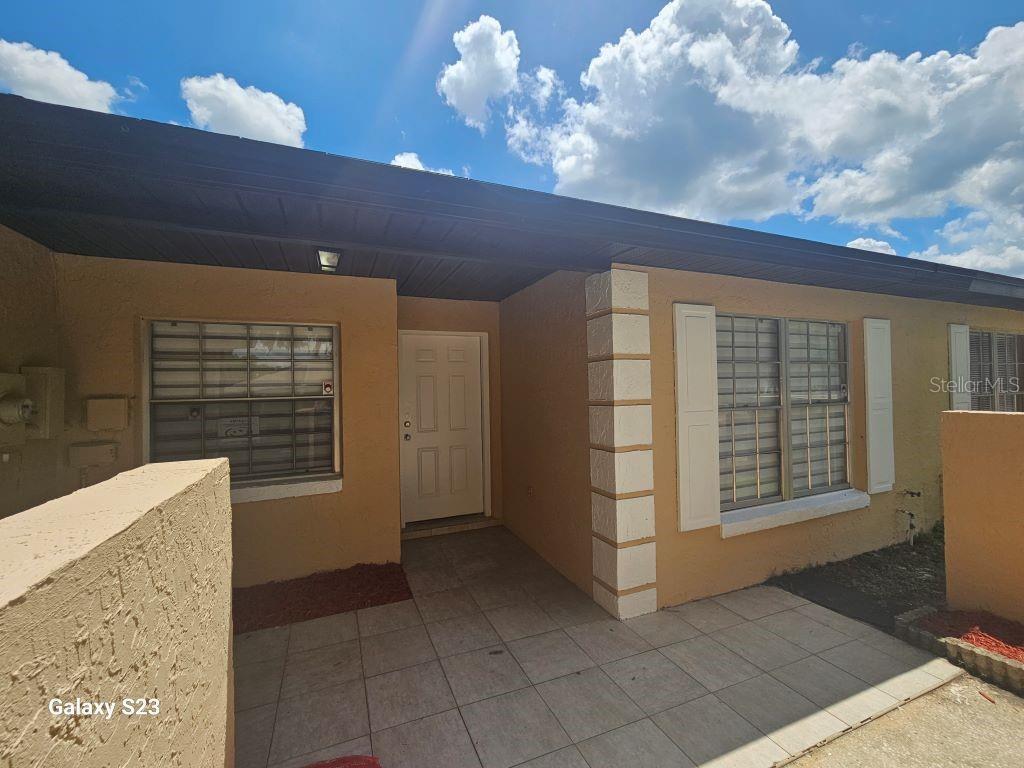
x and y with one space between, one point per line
121 590
984 498
421 314
28 336
99 308
700 563
546 433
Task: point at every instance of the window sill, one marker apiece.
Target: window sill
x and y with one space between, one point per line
750 519
287 489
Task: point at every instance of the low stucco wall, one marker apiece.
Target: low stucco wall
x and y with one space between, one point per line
983 474
696 564
91 312
121 590
546 440
420 314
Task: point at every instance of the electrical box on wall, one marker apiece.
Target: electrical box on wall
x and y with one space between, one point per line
45 388
92 454
15 409
103 414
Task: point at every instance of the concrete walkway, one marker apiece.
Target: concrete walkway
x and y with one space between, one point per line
499 662
951 727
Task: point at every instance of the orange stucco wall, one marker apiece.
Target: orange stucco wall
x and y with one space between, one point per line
544 416
700 563
984 511
29 335
99 306
422 314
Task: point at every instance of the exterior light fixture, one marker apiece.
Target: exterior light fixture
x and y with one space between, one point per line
328 260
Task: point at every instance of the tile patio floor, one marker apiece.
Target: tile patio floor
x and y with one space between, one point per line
499 661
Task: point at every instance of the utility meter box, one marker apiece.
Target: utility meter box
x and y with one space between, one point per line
45 388
104 414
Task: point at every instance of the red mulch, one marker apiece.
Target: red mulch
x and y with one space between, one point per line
979 628
321 594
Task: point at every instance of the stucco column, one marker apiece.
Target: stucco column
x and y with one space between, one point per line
621 453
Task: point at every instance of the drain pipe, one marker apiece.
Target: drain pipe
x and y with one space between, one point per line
911 518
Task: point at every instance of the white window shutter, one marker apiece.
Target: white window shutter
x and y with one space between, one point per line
878 379
697 416
959 367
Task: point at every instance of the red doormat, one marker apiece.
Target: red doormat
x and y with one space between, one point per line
321 594
979 628
348 762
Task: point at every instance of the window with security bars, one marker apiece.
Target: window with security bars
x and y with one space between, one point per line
261 395
996 360
783 403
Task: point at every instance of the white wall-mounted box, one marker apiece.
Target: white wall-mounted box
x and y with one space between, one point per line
45 388
103 414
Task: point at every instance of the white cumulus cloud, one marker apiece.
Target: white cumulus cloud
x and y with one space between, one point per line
412 160
543 85
487 70
220 104
47 76
871 244
709 112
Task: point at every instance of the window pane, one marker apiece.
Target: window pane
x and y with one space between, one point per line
817 362
310 377
270 378
220 376
818 448
749 368
224 341
1005 364
981 372
270 342
174 351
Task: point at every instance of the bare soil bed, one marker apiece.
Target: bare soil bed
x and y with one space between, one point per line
980 629
877 586
321 594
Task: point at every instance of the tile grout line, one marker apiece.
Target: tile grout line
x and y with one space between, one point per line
280 687
532 599
362 669
646 715
596 666
624 695
455 701
808 653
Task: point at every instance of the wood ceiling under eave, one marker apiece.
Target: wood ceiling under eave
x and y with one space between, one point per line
108 185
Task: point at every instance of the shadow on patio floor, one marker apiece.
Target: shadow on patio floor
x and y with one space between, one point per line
499 661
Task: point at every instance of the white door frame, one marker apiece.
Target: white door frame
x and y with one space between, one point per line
485 402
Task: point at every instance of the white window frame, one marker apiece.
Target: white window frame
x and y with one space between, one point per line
261 489
785 408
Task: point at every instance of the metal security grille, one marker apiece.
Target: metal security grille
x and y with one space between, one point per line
995 371
818 403
749 409
783 401
261 395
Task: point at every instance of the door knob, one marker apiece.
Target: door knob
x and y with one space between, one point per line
406 423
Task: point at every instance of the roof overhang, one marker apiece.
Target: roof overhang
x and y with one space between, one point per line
106 185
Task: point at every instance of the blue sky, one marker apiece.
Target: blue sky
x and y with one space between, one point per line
696 142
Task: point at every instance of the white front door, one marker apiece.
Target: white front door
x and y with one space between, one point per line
440 413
